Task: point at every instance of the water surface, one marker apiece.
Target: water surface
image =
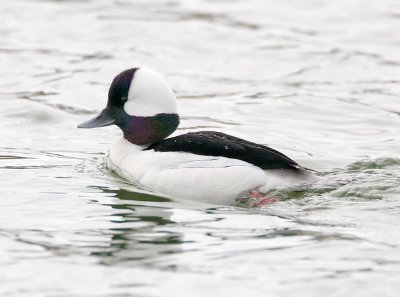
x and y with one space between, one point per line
317 80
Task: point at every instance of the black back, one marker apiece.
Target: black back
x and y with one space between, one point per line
217 144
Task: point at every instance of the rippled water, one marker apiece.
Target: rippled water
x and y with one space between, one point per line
317 80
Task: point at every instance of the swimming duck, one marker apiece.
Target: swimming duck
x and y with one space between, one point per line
208 166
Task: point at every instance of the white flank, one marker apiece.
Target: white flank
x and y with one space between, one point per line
149 94
209 179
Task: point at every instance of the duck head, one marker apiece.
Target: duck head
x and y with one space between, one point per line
141 103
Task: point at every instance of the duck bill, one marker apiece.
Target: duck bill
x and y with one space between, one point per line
103 119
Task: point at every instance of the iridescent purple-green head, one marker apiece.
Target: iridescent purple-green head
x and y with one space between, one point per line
142 104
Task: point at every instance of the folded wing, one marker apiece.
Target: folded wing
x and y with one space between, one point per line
217 144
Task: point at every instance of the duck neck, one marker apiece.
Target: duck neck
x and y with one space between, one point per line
147 130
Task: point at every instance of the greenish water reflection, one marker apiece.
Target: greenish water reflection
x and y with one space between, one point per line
141 236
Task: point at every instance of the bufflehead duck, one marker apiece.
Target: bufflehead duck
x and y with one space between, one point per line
207 166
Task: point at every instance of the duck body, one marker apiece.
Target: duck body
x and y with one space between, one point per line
184 175
207 166
209 174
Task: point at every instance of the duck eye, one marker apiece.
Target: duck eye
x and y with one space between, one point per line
124 99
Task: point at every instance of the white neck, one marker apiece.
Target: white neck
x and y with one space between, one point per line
149 94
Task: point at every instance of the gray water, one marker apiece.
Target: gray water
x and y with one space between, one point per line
317 80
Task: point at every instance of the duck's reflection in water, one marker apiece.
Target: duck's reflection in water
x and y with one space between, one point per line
142 231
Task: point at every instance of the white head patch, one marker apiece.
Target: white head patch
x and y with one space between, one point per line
149 94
